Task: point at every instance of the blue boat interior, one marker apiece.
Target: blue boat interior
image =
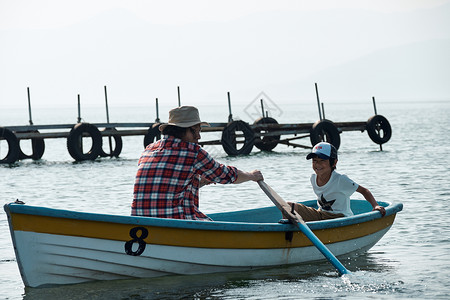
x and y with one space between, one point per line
273 215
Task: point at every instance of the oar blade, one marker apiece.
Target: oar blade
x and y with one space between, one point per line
323 249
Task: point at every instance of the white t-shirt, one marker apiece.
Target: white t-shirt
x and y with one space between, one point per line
334 196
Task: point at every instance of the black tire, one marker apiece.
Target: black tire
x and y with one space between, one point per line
379 129
325 131
229 138
13 146
266 143
118 144
37 146
74 142
153 134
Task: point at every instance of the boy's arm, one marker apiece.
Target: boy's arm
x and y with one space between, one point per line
369 197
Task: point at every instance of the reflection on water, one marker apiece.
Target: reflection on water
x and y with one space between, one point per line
318 279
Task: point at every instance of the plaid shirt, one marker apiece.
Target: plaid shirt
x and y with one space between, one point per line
168 179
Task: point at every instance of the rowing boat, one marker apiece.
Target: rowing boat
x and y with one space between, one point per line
55 246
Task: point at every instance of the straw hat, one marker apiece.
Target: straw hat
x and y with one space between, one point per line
183 116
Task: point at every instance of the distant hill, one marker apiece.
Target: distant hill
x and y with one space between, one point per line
413 71
418 71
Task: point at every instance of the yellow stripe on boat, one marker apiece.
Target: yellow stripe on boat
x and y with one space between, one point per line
192 237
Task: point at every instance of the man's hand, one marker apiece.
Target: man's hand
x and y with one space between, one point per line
254 175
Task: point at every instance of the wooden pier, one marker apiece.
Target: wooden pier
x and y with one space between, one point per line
237 137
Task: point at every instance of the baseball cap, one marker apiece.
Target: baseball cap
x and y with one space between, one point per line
323 150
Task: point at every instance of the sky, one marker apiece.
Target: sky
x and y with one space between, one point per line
50 14
142 50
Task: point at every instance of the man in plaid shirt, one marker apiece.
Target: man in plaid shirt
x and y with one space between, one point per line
172 170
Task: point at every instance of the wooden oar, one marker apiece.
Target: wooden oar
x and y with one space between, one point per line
296 219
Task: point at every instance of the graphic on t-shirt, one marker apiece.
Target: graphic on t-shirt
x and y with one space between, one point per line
326 205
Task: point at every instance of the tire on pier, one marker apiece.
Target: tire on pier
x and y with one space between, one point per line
229 142
325 131
266 143
75 144
153 134
37 146
118 144
379 129
13 146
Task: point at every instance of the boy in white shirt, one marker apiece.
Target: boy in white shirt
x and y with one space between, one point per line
333 190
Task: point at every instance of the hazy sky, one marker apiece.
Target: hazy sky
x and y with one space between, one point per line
395 50
50 14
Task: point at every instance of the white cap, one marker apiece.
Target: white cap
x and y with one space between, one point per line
323 150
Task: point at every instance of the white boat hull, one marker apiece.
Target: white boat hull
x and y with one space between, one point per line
67 251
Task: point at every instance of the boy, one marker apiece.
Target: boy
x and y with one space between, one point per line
333 190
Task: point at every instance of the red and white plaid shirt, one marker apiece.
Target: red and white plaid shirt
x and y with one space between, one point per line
168 179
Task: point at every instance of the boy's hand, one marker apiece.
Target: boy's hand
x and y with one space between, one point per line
380 209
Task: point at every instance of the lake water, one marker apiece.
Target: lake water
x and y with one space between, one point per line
411 261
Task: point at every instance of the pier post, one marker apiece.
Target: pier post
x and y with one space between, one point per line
318 102
79 110
262 108
107 121
106 103
375 111
230 115
29 106
374 106
157 112
179 98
